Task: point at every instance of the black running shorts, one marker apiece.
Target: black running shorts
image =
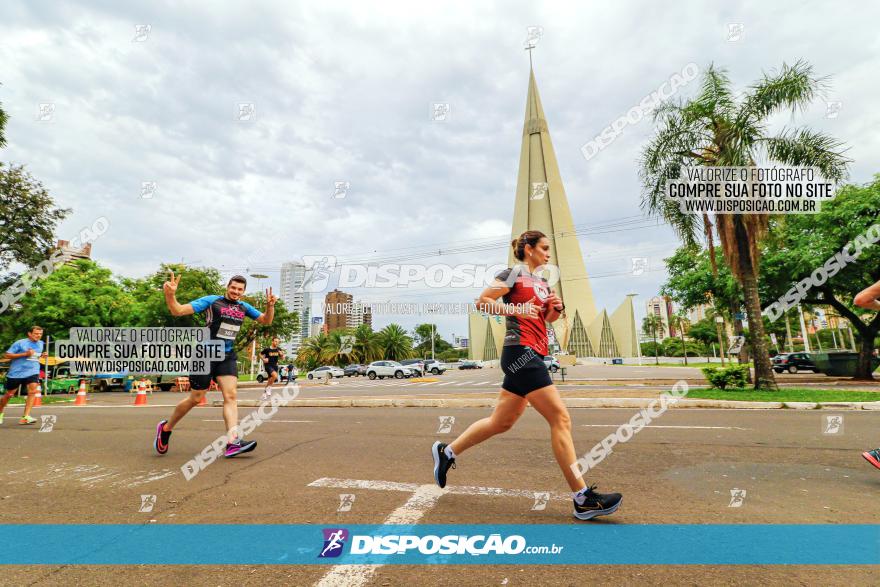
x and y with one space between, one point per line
227 366
13 383
524 370
271 369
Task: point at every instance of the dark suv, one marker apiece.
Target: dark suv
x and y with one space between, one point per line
793 362
354 370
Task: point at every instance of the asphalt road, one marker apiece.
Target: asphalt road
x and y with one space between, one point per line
97 462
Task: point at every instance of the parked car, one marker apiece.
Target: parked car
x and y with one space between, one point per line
326 371
465 364
434 367
552 364
108 381
417 365
793 362
354 370
61 381
383 369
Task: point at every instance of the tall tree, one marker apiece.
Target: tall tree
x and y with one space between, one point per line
650 325
799 245
28 218
395 343
718 129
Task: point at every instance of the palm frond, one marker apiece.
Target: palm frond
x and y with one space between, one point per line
808 148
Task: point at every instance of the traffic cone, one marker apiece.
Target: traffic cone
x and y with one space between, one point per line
204 400
141 398
81 394
38 400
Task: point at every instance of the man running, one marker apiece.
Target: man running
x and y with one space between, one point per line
224 316
528 304
870 298
24 370
270 358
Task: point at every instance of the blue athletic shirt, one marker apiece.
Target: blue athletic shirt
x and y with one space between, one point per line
25 366
224 317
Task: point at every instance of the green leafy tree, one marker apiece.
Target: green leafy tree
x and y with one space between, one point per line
28 217
422 340
718 129
798 245
150 308
80 293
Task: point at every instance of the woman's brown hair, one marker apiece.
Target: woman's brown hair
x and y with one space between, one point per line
529 237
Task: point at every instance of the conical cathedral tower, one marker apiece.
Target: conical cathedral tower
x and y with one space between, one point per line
541 204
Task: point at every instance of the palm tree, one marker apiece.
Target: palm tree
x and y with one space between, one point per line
334 351
650 325
718 128
311 352
366 345
395 343
680 322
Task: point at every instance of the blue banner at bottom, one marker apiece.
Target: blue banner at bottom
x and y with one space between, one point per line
527 544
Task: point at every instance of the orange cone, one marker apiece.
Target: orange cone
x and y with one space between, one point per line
141 398
204 400
81 394
38 399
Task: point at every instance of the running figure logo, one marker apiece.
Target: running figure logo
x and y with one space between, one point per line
346 344
832 424
737 498
47 423
318 270
640 265
539 190
334 540
147 503
541 499
346 500
340 189
446 424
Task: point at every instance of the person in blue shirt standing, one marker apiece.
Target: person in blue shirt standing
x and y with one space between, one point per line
224 316
24 370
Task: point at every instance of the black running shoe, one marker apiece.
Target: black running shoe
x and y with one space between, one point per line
442 463
162 438
596 504
239 447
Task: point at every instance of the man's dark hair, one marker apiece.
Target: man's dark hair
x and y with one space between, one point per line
238 279
34 327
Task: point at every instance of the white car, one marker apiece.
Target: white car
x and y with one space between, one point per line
383 369
326 371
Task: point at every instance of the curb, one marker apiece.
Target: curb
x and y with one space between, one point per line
620 402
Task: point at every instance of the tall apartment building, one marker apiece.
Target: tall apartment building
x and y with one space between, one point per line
337 310
297 299
662 308
360 314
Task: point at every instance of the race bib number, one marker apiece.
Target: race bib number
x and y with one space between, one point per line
228 331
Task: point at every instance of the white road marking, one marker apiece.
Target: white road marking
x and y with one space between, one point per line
423 498
675 427
285 421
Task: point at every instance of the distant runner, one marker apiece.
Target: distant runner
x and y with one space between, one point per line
224 316
24 370
270 357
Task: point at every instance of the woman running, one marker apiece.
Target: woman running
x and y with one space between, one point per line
528 304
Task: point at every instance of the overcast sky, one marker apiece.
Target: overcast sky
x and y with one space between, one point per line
344 91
